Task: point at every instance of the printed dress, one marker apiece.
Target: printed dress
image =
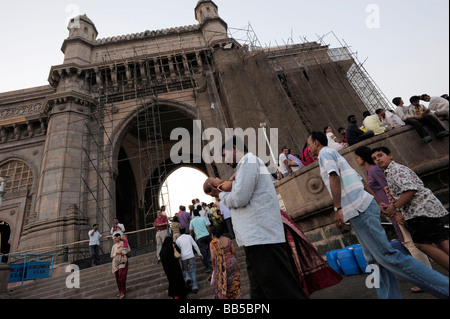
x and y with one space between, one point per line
227 276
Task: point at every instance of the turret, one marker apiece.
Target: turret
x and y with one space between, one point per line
82 35
213 27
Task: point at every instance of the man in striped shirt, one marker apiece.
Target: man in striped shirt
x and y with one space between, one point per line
355 202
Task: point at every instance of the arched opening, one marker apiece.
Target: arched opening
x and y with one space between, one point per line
143 161
183 184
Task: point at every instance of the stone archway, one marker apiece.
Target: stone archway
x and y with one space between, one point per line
139 173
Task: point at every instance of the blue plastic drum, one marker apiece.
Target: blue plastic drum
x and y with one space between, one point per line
347 262
332 261
360 259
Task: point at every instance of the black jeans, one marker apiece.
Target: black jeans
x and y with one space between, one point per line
430 121
270 273
94 251
203 245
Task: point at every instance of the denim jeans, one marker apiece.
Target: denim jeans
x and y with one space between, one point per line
189 270
377 250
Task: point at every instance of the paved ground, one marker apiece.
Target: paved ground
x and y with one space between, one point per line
354 287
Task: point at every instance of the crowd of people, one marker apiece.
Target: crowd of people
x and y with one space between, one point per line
392 189
416 114
206 230
281 262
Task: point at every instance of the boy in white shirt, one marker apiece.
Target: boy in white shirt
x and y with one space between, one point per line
185 243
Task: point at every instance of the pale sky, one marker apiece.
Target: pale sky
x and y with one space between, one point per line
185 184
404 44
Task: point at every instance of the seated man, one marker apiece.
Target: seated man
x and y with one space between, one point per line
373 123
410 117
341 131
438 105
354 134
427 117
389 118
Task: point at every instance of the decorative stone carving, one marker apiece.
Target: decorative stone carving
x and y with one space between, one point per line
315 185
3 134
30 131
21 110
43 128
16 132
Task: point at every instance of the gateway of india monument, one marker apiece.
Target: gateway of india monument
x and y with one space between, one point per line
94 143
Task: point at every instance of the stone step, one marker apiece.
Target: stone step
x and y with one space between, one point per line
86 277
146 280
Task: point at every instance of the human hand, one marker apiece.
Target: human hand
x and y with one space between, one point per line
400 218
339 219
225 187
390 211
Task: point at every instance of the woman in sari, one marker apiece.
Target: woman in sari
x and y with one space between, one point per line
120 270
226 275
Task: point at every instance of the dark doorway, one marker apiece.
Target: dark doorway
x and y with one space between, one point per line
5 232
126 196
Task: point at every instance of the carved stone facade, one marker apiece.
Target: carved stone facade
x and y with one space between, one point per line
82 136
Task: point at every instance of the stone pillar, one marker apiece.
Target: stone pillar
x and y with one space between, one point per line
59 181
4 277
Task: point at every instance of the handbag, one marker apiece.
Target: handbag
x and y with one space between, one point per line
176 254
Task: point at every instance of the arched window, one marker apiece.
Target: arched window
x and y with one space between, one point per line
19 176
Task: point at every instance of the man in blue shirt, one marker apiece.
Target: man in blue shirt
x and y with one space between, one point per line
200 229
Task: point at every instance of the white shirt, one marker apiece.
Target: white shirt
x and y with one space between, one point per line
205 216
438 104
95 238
186 242
332 143
118 230
281 159
392 120
225 211
404 112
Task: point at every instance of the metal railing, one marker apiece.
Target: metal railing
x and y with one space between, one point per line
140 241
29 266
